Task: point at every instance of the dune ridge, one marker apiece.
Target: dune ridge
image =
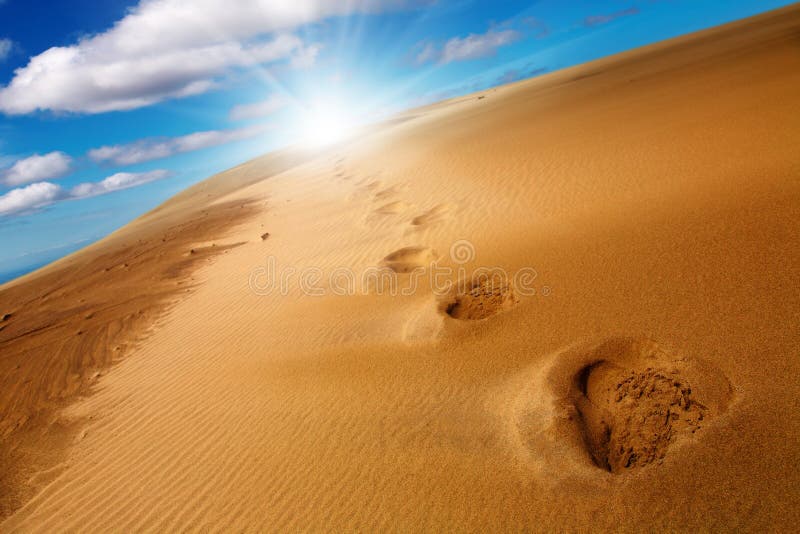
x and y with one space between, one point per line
652 199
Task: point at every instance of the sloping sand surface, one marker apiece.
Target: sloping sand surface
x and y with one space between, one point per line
636 371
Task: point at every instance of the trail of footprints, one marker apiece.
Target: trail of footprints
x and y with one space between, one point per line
387 204
632 400
480 299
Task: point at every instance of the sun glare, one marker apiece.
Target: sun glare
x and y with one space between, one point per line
324 123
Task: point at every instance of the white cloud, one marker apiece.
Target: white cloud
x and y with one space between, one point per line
116 182
41 194
130 154
200 140
306 57
87 79
29 198
259 109
598 20
476 46
167 49
427 53
37 168
156 148
473 46
5 47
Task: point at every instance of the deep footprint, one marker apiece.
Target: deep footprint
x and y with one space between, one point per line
409 259
392 208
632 417
634 404
434 215
484 298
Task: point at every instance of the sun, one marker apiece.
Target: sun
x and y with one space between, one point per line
325 122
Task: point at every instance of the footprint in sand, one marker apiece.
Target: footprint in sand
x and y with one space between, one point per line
385 194
393 208
434 215
485 297
368 187
409 259
340 172
635 401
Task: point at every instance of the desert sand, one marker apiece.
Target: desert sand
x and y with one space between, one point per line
642 375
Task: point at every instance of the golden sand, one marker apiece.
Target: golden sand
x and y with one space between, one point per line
636 371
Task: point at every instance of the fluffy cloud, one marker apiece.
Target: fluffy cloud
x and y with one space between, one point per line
87 78
29 198
170 48
37 168
473 46
598 20
151 149
258 109
476 46
116 182
305 57
5 47
41 194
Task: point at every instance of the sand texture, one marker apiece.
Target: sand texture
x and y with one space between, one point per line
630 363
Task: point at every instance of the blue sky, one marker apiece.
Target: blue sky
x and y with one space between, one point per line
109 108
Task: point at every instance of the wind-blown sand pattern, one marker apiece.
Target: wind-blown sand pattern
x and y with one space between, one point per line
648 383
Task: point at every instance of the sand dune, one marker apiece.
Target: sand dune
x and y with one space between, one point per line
634 369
